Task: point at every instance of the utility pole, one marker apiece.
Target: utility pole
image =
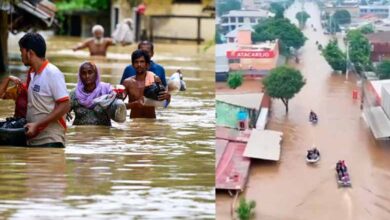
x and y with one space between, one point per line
347 62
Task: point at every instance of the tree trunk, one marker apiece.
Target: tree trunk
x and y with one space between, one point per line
285 102
3 42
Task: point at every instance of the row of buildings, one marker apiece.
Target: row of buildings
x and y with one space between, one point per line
375 92
358 8
242 114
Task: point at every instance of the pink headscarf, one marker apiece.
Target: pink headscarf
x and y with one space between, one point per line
102 88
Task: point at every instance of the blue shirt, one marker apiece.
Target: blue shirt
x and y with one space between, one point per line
154 67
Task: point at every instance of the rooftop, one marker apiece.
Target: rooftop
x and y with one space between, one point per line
247 13
380 37
233 33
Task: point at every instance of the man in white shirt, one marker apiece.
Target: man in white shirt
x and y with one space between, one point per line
48 99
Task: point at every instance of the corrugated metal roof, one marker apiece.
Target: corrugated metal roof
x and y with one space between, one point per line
233 169
246 100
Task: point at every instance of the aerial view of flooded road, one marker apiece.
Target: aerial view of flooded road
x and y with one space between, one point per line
291 189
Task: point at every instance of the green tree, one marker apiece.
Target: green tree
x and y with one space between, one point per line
383 70
334 56
302 17
245 209
235 79
359 49
283 83
342 17
70 5
223 7
277 9
367 29
279 28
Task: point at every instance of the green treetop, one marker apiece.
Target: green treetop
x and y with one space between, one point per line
283 83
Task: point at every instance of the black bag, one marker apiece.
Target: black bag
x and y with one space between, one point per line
153 91
12 132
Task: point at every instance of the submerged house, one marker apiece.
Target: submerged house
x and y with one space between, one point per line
228 107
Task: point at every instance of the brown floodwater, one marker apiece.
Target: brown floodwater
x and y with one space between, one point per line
290 189
140 169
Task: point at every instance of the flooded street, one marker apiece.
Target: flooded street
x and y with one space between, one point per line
140 169
290 189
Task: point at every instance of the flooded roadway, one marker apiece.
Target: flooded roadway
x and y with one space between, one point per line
292 190
141 169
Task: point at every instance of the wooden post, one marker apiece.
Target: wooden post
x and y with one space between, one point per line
3 42
198 39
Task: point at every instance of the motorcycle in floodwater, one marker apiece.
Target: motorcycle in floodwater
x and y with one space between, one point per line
313 155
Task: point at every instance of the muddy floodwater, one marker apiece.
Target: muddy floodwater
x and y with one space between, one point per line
140 169
292 190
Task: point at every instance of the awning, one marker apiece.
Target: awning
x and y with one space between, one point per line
264 144
246 100
378 122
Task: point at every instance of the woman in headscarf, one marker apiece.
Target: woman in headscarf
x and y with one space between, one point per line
88 88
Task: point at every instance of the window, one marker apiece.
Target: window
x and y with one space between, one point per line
231 39
232 27
253 20
232 19
240 19
234 60
225 20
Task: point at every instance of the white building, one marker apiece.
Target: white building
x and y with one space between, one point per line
381 11
238 18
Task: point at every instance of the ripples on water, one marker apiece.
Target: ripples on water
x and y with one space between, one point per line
142 168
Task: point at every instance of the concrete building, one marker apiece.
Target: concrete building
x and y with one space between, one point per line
252 58
231 37
169 19
381 11
238 18
243 55
352 9
380 44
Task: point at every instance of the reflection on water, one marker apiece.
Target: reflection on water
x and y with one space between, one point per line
292 190
142 168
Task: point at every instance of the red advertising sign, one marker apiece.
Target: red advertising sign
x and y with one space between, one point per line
249 54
